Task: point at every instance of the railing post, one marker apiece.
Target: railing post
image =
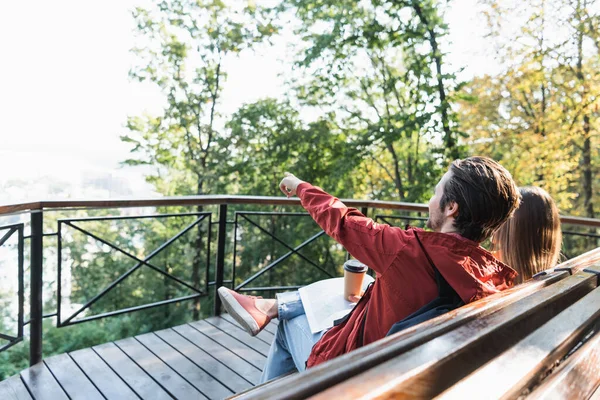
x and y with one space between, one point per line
220 264
36 285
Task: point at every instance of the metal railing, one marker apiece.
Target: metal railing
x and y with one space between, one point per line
139 263
291 250
225 235
6 233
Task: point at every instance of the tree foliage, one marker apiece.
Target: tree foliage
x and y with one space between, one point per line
373 110
539 117
376 68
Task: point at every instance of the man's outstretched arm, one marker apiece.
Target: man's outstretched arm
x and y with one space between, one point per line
373 244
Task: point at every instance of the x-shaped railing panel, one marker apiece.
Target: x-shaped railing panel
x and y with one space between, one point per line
140 262
292 250
387 219
6 232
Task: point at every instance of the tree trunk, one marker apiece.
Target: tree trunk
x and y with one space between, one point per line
588 190
586 149
397 176
449 140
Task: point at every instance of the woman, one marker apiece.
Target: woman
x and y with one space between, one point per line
530 241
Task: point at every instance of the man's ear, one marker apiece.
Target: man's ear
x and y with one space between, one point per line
451 210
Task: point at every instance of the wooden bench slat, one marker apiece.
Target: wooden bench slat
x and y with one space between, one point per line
71 378
41 384
582 261
202 359
105 379
520 366
240 334
344 367
236 363
14 389
577 378
434 366
194 375
137 379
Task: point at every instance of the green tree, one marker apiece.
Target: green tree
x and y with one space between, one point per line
539 113
268 137
377 72
183 48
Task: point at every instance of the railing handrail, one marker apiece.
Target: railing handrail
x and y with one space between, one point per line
192 201
38 208
54 205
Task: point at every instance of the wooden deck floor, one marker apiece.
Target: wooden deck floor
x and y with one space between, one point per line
209 359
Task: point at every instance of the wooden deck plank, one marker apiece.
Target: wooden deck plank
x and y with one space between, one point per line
240 334
241 349
270 332
202 359
41 384
137 379
236 363
272 327
71 378
105 379
161 372
197 377
206 359
263 335
14 389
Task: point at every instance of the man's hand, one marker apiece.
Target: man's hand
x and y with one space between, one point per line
289 184
354 299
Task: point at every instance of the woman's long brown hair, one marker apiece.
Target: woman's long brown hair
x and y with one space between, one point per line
530 241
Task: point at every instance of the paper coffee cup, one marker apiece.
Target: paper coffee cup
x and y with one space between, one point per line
354 275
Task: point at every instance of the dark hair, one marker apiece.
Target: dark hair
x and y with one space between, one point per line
530 241
485 193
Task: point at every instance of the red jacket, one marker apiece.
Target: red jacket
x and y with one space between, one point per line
405 280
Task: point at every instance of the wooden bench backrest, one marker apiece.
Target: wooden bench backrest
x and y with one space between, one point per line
427 370
578 376
521 366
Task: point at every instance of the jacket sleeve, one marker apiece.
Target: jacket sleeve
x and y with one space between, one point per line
373 244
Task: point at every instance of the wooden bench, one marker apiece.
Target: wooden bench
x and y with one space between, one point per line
578 376
454 353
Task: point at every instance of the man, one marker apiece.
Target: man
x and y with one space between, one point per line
471 201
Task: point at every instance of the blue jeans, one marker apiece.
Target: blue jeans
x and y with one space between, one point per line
293 341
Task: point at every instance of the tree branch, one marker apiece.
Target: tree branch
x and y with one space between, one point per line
387 171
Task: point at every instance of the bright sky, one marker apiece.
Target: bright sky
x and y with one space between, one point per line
65 94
